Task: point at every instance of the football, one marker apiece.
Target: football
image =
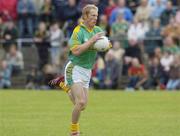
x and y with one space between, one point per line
102 44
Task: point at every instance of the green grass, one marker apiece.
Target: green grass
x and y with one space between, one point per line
109 113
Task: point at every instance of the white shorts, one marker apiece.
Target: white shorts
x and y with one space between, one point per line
75 74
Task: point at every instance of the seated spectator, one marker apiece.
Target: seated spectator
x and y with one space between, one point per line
15 58
174 74
5 74
137 30
153 3
156 75
33 79
47 75
172 29
133 50
167 13
137 75
108 10
143 11
166 60
153 37
133 4
111 71
158 53
8 9
118 51
170 45
119 27
157 10
121 8
10 34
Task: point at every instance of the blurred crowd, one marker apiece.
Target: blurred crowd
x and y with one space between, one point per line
145 35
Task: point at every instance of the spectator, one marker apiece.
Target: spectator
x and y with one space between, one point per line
170 45
167 60
167 13
133 51
98 73
108 10
71 14
153 37
26 12
56 41
33 79
41 40
10 34
156 74
103 23
47 13
120 27
157 10
172 29
137 75
8 10
132 4
5 75
47 75
121 8
111 71
118 51
158 53
174 74
154 3
143 11
14 58
137 30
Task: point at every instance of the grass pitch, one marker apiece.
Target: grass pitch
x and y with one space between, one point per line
109 113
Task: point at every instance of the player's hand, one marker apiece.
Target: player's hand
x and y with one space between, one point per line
97 36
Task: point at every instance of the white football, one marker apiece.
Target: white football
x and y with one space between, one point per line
102 44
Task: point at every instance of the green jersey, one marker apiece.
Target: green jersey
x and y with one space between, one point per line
80 35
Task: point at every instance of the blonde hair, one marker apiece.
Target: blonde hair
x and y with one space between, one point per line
86 10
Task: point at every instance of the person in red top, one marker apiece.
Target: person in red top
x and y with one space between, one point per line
109 8
8 9
137 74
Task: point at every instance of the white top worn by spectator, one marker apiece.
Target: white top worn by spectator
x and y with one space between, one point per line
166 61
15 57
137 30
56 36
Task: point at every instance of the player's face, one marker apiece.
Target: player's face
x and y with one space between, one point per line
92 17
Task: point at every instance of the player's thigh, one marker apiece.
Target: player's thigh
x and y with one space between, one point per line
77 91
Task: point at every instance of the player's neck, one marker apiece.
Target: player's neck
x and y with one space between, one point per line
88 26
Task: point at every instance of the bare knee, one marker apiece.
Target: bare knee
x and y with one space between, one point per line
81 104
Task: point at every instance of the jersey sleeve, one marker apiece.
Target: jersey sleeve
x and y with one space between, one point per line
76 38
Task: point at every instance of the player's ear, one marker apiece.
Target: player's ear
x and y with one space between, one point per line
85 16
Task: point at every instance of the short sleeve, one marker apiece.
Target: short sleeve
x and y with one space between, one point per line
76 38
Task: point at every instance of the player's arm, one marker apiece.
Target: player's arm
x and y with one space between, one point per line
78 49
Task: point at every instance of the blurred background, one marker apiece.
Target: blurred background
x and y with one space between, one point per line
145 35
